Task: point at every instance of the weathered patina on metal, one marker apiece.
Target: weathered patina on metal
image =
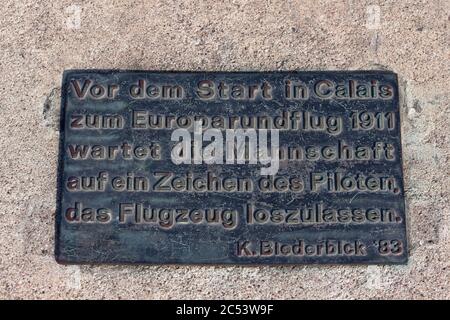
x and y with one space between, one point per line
335 194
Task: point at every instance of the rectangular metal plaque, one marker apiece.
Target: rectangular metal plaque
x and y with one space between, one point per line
230 168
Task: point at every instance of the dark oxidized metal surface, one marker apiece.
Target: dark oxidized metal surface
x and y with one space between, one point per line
335 195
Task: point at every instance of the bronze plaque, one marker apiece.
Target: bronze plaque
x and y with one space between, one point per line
230 168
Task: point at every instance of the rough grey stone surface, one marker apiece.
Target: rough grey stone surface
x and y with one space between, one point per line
40 39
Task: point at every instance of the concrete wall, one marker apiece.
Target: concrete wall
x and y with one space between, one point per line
39 39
